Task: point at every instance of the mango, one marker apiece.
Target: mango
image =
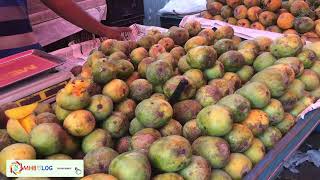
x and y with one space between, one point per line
170 153
16 151
214 149
199 168
238 166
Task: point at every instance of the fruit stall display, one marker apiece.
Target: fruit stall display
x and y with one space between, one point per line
191 103
288 17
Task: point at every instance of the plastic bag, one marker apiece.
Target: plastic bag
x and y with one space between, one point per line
184 7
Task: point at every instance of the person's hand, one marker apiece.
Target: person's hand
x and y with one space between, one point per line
116 32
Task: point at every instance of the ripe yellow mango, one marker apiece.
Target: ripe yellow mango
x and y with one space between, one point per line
21 112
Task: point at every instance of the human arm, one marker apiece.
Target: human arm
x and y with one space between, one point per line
71 12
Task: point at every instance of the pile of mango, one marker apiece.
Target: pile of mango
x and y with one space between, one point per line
191 103
289 17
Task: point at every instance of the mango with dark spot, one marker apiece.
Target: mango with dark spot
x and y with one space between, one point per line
208 95
156 50
245 73
154 113
100 106
287 123
123 144
146 41
177 52
186 110
232 61
310 80
124 69
292 95
238 105
307 57
46 117
270 137
47 138
193 27
116 89
143 139
257 93
226 12
159 72
98 160
274 111
171 85
263 61
94 56
196 76
202 57
302 104
238 166
303 24
135 126
183 64
209 34
172 128
143 65
118 55
131 165
96 139
79 123
225 87
224 45
170 153
127 107
256 151
294 63
214 149
277 78
179 35
233 79
263 43
239 138
103 71
249 55
137 55
117 124
217 71
191 131
140 89
199 168
167 43
287 46
249 44
257 121
74 96
224 32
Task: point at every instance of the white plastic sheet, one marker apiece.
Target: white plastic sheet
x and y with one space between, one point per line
183 7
